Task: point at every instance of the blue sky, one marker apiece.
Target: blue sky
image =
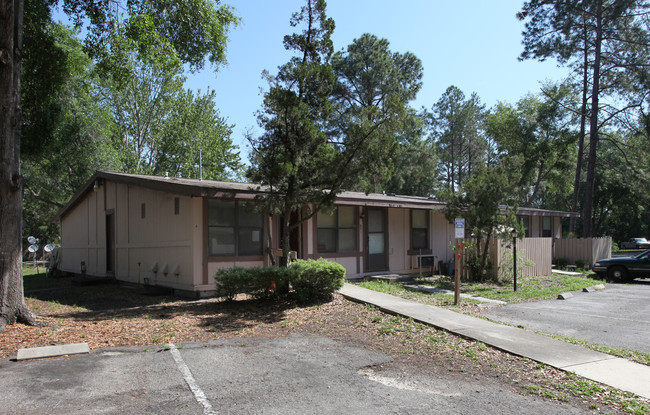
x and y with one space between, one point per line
472 44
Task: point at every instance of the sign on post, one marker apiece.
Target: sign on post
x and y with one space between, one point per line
460 228
459 234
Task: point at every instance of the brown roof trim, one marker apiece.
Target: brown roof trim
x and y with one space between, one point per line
221 189
424 204
175 185
544 212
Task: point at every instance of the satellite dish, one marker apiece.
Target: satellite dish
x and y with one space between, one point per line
33 248
48 248
31 240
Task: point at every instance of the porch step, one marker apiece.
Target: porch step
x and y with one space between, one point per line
392 278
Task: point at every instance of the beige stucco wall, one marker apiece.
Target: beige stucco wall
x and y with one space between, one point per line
158 249
168 250
79 237
442 234
399 240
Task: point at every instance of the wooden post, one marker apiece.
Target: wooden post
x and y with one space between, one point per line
457 270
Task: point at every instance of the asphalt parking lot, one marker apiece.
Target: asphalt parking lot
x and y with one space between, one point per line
618 316
296 375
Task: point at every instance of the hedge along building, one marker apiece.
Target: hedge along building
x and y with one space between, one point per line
176 233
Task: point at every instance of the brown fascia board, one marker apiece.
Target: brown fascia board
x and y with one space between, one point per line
246 191
184 187
544 212
390 201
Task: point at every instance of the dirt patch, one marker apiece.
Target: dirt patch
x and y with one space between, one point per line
114 316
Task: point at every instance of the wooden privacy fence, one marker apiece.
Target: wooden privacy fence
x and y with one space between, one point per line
535 255
587 249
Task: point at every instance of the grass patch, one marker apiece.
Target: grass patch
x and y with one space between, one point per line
528 288
34 281
634 356
398 290
30 270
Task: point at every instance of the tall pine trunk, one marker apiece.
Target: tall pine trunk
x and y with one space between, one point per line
587 215
286 238
581 137
12 300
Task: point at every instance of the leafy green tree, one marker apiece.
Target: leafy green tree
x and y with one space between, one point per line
622 194
140 94
539 140
415 161
371 114
570 42
63 120
478 200
329 127
192 125
456 126
294 157
603 36
194 29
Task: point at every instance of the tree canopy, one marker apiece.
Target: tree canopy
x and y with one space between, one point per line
330 122
139 40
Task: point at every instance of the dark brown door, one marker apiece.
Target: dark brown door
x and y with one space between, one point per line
110 242
376 240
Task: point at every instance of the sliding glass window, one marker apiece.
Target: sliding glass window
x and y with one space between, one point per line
337 232
233 230
419 229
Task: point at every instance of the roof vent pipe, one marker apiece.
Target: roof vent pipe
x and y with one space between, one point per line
200 166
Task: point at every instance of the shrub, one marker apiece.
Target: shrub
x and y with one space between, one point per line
311 280
258 281
581 264
271 281
561 262
232 281
315 280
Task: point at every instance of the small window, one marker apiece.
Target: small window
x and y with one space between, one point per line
337 232
177 205
419 229
546 227
232 230
143 210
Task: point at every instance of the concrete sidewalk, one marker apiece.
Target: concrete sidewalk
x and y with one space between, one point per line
600 367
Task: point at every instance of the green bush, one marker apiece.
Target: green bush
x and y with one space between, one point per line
270 281
232 281
581 264
258 281
311 280
316 280
561 262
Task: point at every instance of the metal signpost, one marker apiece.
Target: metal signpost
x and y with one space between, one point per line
459 224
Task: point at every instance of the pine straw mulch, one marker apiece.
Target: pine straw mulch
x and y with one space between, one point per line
108 316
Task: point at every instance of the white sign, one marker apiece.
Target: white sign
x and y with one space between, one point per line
460 228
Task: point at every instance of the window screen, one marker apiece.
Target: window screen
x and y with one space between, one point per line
233 230
337 232
419 229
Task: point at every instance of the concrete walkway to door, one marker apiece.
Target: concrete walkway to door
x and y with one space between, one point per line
600 367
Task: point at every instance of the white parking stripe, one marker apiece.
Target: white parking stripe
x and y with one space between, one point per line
194 387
